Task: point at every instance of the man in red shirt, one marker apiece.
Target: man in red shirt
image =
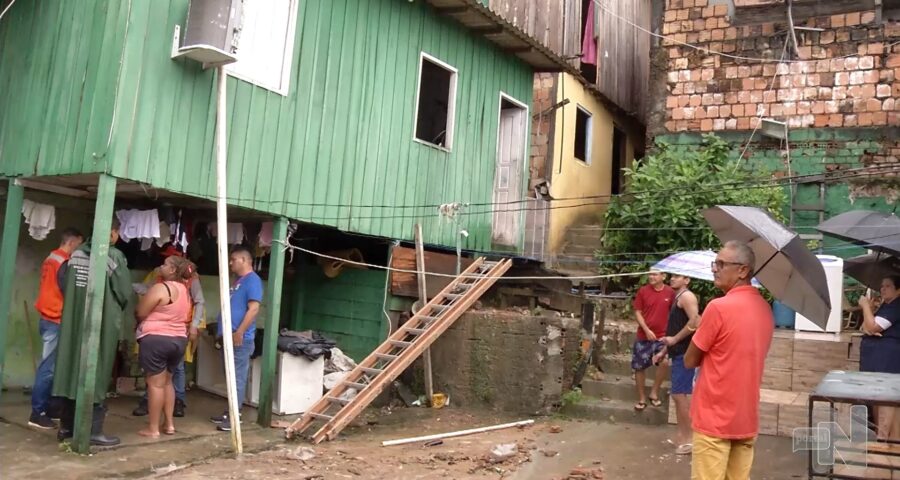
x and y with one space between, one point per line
49 305
651 308
730 347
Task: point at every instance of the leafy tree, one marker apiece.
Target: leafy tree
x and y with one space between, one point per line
661 211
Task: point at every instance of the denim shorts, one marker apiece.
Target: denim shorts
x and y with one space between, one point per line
682 377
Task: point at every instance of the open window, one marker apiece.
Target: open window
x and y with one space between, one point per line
583 124
435 102
266 44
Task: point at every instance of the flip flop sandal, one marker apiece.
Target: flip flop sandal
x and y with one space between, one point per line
640 406
684 449
655 402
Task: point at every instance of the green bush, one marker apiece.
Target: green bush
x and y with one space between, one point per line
661 211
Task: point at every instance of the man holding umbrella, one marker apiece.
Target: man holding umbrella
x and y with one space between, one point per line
731 345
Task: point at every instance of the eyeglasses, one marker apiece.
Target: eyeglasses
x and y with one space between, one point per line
720 264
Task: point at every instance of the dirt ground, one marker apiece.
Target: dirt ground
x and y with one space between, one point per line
550 449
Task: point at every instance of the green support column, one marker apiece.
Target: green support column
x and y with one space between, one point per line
273 314
12 220
93 311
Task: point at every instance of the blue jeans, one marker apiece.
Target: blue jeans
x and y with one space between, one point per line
43 377
177 382
242 368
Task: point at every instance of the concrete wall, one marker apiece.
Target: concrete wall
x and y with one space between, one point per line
506 360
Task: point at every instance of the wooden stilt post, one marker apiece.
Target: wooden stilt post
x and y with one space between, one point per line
273 314
423 300
12 220
93 314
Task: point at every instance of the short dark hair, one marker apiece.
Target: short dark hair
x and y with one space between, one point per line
70 234
895 279
242 250
115 224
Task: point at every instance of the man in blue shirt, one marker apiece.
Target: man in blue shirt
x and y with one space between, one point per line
246 297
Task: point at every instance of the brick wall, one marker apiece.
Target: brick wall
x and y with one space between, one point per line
544 98
851 78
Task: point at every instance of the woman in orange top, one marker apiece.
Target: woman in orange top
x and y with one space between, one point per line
164 316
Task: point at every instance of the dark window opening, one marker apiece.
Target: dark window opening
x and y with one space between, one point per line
435 108
618 161
583 136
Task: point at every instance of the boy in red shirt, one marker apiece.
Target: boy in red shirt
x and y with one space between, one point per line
49 305
651 309
730 346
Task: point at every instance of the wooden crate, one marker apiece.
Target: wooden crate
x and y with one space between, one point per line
855 341
781 351
807 380
768 418
819 356
776 378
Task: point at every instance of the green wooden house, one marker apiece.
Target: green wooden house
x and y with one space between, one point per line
362 116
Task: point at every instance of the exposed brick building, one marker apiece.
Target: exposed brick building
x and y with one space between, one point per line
838 92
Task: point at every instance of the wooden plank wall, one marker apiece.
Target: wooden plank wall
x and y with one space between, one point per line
556 25
623 53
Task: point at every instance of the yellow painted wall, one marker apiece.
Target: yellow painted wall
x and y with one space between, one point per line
572 177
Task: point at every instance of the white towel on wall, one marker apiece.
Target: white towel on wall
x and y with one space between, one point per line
41 218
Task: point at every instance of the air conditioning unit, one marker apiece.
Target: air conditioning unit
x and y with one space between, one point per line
210 33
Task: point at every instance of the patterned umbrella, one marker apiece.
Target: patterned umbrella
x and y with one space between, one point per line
694 264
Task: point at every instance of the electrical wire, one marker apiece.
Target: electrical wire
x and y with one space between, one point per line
287 246
3 13
773 182
714 52
761 108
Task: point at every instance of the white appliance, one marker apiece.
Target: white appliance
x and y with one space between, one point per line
298 381
834 275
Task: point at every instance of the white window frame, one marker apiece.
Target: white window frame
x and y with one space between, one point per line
451 104
589 134
288 60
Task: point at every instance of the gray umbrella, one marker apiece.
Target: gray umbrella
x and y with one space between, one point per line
873 230
783 263
872 268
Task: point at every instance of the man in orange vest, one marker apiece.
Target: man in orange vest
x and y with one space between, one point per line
49 305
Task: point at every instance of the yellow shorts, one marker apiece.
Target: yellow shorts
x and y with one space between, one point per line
721 458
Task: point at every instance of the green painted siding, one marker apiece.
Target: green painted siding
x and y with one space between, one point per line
342 136
814 151
58 67
348 309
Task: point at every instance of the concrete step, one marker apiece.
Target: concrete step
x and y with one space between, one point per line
616 411
618 341
620 388
620 365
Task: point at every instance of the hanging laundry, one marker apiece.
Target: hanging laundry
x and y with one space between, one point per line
165 234
138 224
146 243
265 234
235 232
41 218
589 43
